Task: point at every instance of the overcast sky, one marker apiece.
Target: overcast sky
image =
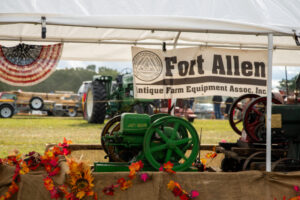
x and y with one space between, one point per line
278 71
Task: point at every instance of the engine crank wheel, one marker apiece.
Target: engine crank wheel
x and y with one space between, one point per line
236 110
115 154
254 118
107 130
164 142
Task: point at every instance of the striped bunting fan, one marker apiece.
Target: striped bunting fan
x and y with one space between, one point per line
25 65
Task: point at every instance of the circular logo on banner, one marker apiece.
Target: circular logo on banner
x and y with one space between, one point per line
147 66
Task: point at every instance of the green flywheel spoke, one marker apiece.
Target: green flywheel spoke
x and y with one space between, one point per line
174 132
158 148
183 141
186 147
162 135
168 156
179 152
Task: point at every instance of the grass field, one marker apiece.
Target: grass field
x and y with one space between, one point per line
31 133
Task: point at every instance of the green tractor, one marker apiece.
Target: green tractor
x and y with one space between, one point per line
105 97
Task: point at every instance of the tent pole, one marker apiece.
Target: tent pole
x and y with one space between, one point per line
269 102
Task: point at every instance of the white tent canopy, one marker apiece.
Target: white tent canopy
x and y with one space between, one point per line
101 30
105 30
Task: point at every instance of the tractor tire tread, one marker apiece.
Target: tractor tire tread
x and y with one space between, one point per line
99 107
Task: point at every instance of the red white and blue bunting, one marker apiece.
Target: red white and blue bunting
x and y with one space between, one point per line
25 65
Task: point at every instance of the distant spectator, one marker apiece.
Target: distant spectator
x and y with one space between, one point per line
217 100
191 101
228 103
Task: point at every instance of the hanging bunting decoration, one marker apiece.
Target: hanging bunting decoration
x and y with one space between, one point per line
25 65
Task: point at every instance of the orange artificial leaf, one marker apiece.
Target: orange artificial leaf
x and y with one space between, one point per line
67 141
126 185
90 193
178 186
134 167
295 198
48 182
7 195
13 188
168 167
80 194
203 161
171 185
132 174
211 155
49 154
24 168
56 150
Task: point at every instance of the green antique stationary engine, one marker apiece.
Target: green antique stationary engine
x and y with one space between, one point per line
154 139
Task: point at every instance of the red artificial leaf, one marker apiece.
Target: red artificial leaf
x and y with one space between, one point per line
121 180
54 194
95 197
109 190
177 191
54 162
48 168
54 172
141 164
184 197
144 177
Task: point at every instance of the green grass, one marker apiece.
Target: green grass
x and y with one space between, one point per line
31 133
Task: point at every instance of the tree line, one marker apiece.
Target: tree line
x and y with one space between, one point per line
64 80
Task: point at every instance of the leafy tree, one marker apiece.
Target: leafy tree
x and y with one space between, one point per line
91 68
291 84
104 71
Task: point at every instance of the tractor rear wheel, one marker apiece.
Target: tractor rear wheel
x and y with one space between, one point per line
96 103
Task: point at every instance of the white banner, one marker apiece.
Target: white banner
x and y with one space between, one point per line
194 72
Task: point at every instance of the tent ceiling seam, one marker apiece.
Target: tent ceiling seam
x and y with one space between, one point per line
135 43
159 29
